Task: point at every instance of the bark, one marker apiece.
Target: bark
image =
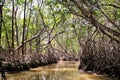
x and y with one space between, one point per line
1 10
16 27
24 26
0 24
13 26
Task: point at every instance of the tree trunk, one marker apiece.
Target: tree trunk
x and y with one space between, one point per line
1 9
12 26
0 23
16 29
24 26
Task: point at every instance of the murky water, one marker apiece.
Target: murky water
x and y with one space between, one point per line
63 70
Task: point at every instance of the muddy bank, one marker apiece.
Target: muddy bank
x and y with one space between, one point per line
101 58
16 64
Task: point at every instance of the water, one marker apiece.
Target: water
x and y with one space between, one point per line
64 70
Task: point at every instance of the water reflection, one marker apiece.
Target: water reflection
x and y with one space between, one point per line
63 70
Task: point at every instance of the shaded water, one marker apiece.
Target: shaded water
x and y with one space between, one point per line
63 70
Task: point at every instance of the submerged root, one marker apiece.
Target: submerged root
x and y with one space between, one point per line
101 58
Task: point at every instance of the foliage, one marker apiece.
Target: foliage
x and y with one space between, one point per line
78 20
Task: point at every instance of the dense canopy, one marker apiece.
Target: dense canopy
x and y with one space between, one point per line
90 28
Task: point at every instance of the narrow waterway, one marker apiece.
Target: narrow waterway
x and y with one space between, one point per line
63 70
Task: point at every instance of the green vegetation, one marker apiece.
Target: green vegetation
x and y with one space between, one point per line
63 28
